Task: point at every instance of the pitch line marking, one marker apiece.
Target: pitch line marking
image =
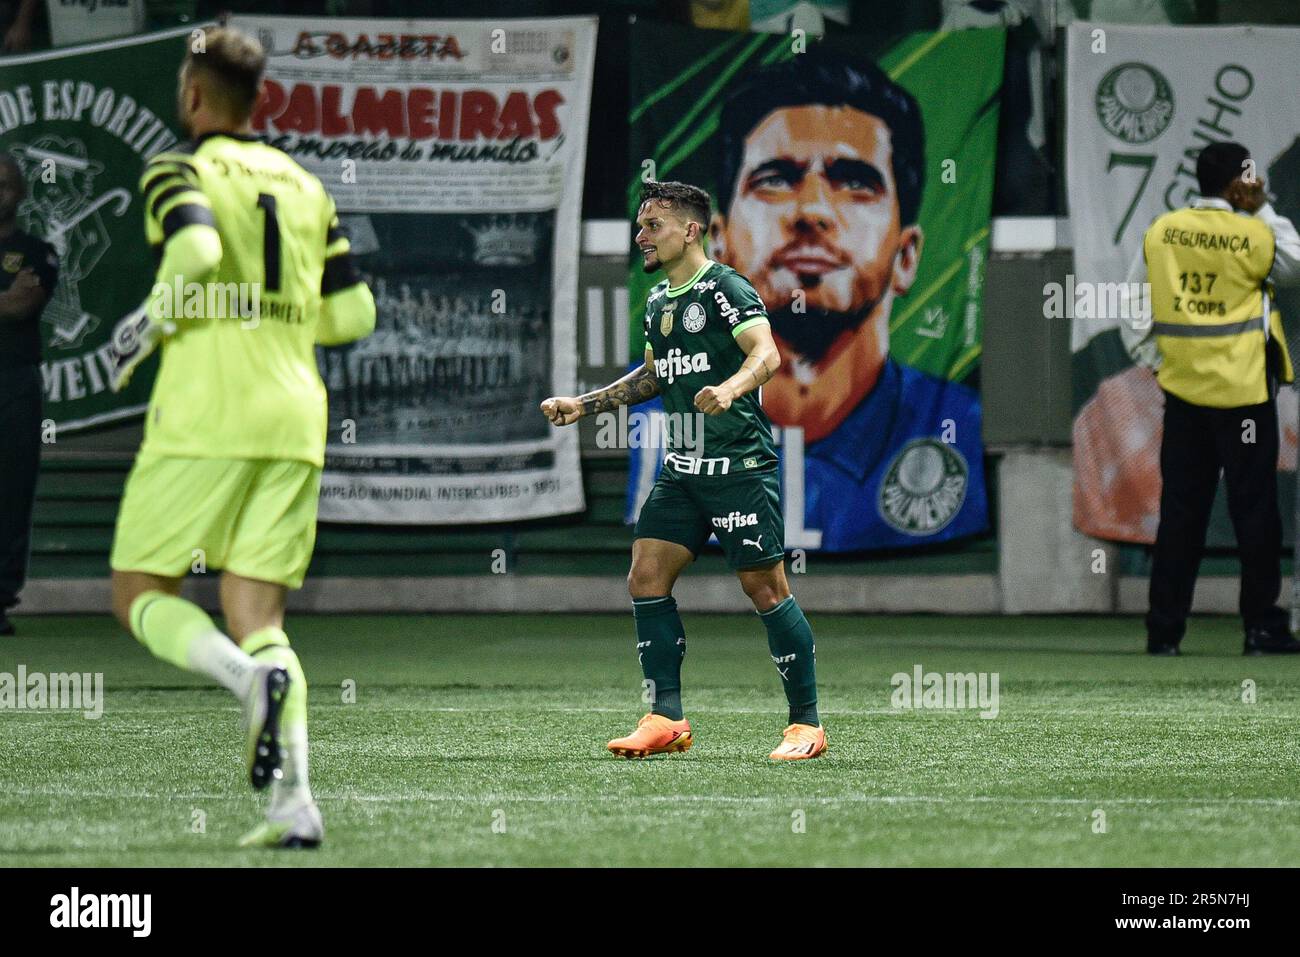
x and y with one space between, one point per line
839 712
323 796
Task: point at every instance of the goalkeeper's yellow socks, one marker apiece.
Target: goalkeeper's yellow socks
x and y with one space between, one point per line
271 645
660 646
181 632
790 639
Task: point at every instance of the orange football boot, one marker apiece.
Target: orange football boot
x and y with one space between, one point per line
802 741
654 734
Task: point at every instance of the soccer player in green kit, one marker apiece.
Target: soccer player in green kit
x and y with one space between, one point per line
708 349
230 465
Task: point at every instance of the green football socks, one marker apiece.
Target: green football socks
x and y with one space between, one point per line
790 639
181 632
660 646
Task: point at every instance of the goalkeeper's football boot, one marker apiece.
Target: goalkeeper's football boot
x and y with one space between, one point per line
654 734
263 752
801 741
296 826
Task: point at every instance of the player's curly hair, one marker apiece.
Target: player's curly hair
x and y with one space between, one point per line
684 198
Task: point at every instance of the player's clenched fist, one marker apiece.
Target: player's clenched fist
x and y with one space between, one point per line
562 409
713 399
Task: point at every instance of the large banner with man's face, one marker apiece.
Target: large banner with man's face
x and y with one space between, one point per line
852 182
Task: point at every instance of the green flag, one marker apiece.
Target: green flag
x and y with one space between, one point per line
81 123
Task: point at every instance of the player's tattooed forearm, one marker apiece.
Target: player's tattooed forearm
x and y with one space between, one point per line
639 386
758 369
754 371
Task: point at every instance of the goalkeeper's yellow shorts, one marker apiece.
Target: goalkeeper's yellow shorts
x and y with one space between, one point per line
253 517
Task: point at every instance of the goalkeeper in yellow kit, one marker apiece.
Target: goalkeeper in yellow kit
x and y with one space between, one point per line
254 272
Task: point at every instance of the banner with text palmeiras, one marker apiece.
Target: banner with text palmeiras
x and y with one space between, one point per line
81 123
1144 102
454 150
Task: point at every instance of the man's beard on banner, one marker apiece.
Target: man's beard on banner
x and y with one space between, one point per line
811 332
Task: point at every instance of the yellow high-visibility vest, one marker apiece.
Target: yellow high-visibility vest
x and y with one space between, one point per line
1208 270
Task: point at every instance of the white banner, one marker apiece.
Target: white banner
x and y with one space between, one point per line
1142 104
454 150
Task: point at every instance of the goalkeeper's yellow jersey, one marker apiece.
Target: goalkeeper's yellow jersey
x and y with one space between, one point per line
238 377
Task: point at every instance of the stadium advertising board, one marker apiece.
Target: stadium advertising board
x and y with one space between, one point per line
454 150
853 190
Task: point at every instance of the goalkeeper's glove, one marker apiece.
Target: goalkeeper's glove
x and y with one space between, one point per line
134 339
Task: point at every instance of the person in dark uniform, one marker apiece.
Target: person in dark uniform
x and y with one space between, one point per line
1219 352
29 270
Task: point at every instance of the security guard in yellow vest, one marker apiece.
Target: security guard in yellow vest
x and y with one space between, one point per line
1219 353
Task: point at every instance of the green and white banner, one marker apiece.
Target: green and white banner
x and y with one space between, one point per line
81 123
1144 102
852 180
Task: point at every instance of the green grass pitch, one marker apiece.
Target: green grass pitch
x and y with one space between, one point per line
479 740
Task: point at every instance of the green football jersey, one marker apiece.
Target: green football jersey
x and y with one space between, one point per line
239 382
690 335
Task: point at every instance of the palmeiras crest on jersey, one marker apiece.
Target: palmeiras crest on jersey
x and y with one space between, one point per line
923 487
61 207
693 321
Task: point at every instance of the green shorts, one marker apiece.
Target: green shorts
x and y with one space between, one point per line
744 511
253 517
